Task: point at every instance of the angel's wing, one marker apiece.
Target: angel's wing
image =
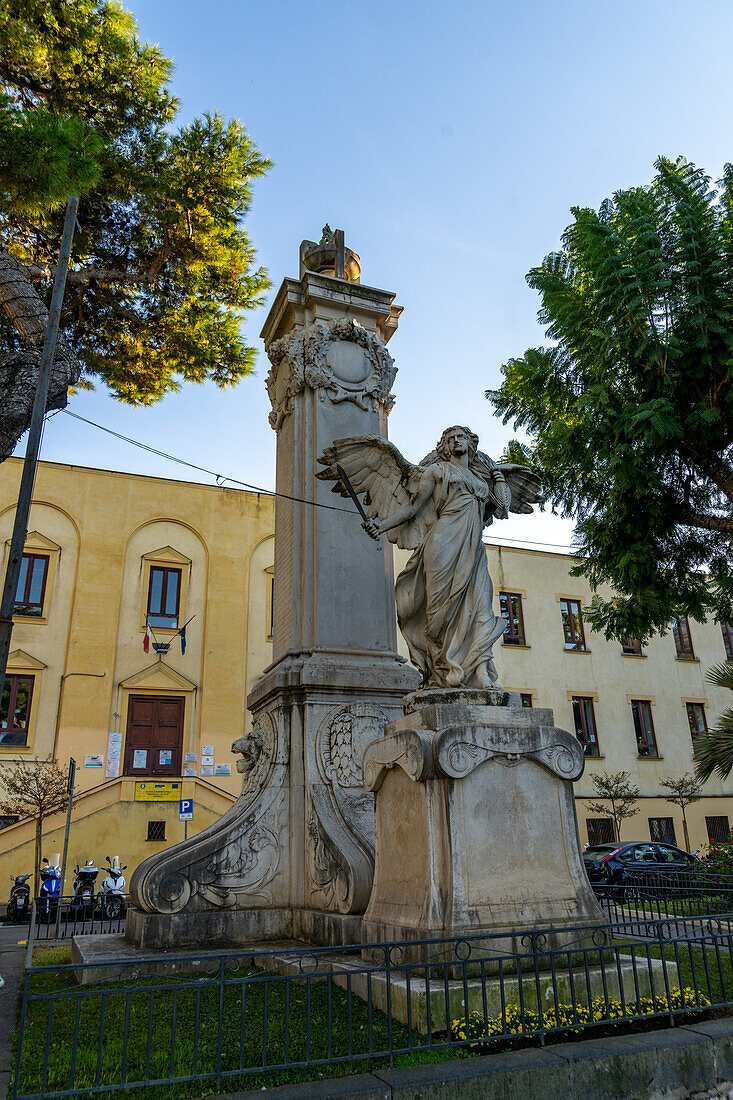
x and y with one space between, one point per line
376 468
525 487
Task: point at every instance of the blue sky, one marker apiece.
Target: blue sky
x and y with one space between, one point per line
449 141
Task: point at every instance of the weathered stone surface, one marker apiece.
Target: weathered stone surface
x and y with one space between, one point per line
654 1065
475 821
301 835
514 1076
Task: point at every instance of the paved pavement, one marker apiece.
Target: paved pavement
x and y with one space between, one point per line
12 960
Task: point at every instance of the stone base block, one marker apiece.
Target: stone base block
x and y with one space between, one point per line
326 929
210 927
434 1002
475 821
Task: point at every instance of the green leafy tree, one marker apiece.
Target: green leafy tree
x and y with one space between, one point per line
619 798
714 749
36 788
683 792
630 413
162 270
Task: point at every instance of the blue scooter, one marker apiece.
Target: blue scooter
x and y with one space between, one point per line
50 894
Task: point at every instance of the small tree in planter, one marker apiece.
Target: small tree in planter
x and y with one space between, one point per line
36 788
619 793
682 792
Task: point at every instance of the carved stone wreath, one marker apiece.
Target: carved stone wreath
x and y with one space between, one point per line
340 360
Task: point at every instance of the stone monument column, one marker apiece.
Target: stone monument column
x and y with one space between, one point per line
295 855
337 677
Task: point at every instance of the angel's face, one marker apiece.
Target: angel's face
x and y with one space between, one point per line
457 442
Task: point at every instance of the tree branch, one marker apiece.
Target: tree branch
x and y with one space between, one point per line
85 275
716 468
705 522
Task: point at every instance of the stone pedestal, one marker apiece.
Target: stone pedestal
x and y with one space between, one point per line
475 821
295 855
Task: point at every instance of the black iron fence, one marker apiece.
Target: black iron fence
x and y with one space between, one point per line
62 918
657 895
253 1018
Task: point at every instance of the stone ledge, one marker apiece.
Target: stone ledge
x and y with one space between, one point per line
679 1063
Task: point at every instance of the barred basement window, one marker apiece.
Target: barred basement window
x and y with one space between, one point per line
156 830
526 698
662 829
600 831
718 828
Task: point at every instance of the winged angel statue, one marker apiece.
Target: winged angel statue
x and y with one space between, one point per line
439 510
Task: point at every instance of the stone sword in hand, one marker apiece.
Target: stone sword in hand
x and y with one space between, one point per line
343 477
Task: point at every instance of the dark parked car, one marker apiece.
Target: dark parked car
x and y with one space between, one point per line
616 864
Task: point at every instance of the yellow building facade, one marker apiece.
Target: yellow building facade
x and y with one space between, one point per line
109 547
107 553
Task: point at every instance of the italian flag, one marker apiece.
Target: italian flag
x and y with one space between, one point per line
146 639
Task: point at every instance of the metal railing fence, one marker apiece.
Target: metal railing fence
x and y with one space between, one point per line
246 1018
62 918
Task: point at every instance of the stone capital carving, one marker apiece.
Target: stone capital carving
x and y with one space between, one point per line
456 751
459 750
340 360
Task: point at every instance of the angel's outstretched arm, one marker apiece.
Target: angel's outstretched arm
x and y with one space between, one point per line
375 528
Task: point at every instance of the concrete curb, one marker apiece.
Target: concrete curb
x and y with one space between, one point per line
675 1063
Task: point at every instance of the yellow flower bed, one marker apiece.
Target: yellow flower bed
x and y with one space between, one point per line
565 1017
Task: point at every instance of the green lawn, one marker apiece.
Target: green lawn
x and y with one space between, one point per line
177 1018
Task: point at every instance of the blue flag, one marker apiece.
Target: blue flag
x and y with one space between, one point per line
182 632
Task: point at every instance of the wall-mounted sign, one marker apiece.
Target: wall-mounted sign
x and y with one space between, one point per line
114 748
93 761
207 750
189 771
191 757
222 769
207 760
161 791
207 770
165 757
140 758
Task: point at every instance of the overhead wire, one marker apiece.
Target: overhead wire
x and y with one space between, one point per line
219 478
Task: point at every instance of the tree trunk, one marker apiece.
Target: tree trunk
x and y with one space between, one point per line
684 829
37 868
19 369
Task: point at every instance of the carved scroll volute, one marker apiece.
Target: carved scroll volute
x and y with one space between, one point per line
235 860
411 750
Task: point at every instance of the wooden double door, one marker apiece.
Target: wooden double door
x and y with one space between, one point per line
154 741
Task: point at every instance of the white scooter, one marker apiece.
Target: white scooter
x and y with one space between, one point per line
112 895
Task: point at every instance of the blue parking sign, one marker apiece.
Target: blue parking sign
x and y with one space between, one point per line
185 809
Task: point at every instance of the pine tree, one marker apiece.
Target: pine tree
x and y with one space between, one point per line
162 270
630 413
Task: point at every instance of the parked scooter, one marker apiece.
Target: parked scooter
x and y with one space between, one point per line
83 899
19 903
50 892
112 894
